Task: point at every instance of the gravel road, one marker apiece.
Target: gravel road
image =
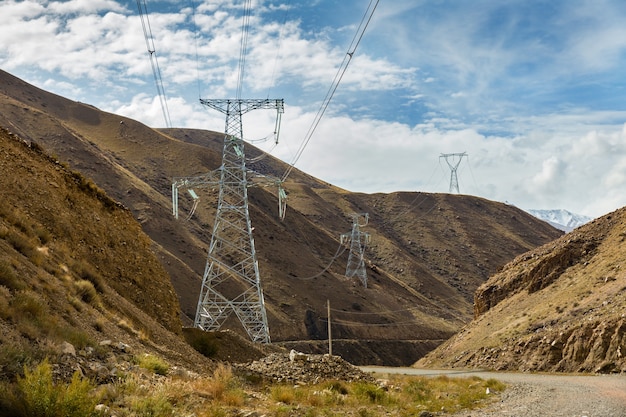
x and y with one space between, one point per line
541 395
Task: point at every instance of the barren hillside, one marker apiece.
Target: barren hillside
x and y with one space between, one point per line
428 252
75 267
560 307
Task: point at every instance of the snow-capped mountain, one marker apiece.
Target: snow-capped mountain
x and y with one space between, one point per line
561 219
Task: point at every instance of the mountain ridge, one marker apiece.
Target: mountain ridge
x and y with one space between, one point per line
429 252
560 218
559 307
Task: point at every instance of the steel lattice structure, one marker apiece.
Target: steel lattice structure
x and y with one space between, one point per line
358 241
454 179
231 282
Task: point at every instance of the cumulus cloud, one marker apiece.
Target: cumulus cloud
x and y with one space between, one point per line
531 93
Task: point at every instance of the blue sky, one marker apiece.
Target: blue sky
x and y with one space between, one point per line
532 90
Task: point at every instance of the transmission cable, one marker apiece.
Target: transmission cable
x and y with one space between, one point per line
195 38
363 313
472 172
280 41
156 71
361 324
367 17
243 49
340 250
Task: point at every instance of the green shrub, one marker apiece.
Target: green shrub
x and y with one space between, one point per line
154 364
372 393
156 405
27 304
43 398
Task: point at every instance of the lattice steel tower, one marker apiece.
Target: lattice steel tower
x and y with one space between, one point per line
454 180
231 282
358 241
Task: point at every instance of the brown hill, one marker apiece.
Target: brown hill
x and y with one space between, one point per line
75 267
429 252
560 307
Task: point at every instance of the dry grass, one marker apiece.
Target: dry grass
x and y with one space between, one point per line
153 363
406 396
223 393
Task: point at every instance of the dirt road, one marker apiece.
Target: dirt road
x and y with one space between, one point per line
541 395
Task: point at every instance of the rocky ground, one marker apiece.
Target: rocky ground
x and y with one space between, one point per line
539 395
533 395
299 368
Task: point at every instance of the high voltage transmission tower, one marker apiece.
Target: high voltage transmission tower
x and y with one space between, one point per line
454 180
358 240
231 282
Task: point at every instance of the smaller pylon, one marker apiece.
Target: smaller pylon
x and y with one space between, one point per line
454 180
358 240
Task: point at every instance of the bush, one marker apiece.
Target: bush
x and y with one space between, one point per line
30 314
43 398
29 305
9 278
283 394
87 272
154 364
25 246
372 393
156 405
14 357
86 291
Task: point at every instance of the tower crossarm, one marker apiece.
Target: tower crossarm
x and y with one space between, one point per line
454 165
242 106
210 179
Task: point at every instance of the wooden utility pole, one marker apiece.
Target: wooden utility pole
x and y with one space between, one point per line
330 338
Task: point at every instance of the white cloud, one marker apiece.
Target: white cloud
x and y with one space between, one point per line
518 86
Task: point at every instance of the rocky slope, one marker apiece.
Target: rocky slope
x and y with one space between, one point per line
560 307
76 271
428 252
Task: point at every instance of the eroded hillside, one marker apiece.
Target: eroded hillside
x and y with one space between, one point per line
428 252
560 307
75 267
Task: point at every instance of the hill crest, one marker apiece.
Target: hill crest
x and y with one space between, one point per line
559 307
429 252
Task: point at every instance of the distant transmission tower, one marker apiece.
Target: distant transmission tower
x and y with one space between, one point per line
231 282
454 180
358 240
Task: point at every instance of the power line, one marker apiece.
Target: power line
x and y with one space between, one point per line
280 39
340 250
195 39
156 71
360 324
362 313
243 50
367 17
